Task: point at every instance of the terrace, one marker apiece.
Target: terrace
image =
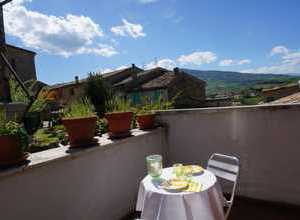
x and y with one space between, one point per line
101 182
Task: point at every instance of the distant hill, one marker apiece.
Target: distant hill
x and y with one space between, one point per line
223 82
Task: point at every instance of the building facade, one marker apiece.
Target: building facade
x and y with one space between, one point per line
23 61
135 84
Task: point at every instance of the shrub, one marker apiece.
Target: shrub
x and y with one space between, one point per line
13 128
99 92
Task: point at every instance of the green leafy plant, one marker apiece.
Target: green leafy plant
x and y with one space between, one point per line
117 104
12 128
47 138
102 126
99 92
79 109
16 92
38 105
148 106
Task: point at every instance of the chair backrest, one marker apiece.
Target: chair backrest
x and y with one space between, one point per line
226 168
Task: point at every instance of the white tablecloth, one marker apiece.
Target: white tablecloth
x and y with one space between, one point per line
158 204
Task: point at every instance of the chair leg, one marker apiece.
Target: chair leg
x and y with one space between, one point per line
228 212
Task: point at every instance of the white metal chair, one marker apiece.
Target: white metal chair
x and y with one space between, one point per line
226 168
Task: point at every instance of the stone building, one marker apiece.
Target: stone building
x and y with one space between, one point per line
66 93
23 61
134 83
161 83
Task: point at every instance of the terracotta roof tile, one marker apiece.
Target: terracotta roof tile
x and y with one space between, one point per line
295 98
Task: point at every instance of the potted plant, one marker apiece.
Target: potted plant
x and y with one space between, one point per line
119 118
146 112
13 142
80 121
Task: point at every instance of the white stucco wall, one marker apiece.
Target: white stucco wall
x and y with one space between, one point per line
102 182
93 184
266 139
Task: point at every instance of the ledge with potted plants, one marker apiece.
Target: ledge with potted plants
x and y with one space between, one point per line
80 121
119 117
13 142
146 112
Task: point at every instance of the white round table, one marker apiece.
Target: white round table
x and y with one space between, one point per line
156 203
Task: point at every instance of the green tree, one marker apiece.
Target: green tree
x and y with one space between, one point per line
99 92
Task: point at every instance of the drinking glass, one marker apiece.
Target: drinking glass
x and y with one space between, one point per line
178 170
154 165
188 172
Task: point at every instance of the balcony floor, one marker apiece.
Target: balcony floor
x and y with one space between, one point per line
249 209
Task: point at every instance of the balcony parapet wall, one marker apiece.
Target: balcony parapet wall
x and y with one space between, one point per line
95 183
266 138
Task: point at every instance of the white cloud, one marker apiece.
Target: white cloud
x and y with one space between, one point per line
244 61
107 70
101 50
227 62
128 29
198 58
275 69
66 36
164 63
230 62
289 63
147 1
279 50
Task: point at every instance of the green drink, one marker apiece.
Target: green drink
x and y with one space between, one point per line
154 165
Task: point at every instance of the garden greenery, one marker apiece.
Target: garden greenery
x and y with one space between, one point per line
16 92
79 109
148 106
12 128
118 104
99 92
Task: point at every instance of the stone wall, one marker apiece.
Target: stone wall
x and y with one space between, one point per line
23 61
191 92
13 110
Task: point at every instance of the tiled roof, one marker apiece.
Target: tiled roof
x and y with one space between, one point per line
160 82
280 87
22 49
109 74
295 98
141 75
105 76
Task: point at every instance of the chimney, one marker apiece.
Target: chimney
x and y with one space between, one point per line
176 70
133 72
76 79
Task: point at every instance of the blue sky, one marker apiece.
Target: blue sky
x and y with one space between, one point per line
74 37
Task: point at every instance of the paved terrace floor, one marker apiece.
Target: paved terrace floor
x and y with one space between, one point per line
250 209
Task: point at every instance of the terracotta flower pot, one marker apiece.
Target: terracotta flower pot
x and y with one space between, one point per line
146 121
119 123
81 131
10 149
